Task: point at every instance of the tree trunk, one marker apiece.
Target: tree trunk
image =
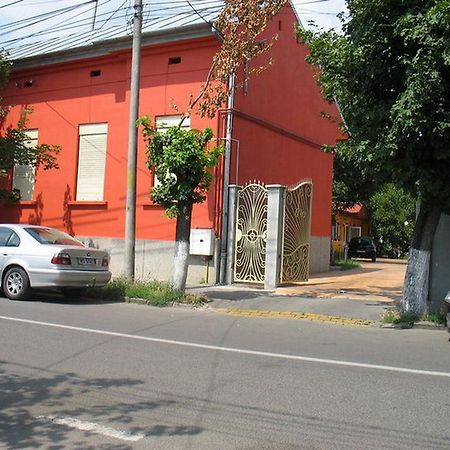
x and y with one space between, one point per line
181 260
415 288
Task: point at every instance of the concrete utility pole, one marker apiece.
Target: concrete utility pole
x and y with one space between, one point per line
226 181
130 218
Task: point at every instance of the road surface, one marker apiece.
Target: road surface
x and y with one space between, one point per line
81 375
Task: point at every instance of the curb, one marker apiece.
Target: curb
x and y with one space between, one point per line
298 315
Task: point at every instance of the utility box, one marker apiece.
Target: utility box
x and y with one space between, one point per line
202 242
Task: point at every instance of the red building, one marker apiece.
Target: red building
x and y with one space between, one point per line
80 100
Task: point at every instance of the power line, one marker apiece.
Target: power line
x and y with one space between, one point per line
10 4
161 15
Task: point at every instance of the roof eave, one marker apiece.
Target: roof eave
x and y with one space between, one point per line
103 48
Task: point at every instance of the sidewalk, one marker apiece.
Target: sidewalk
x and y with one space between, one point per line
357 295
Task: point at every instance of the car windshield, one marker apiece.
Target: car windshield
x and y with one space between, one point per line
49 236
366 241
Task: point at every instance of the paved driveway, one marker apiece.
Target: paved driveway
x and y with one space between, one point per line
381 281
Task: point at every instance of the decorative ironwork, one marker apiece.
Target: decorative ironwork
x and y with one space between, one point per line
251 233
296 232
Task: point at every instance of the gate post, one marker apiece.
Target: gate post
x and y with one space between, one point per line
275 218
233 190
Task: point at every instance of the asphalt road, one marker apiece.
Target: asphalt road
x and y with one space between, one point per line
120 376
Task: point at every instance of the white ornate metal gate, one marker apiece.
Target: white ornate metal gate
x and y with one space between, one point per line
251 233
296 232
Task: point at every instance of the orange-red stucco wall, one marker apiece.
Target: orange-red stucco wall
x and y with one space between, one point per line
279 140
65 96
286 100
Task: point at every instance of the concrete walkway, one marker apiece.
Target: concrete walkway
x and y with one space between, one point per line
354 296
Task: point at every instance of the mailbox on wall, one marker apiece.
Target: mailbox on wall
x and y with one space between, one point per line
202 242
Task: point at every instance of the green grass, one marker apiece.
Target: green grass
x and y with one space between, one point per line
347 264
436 317
156 293
396 316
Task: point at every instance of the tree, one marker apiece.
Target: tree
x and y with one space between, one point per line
14 148
390 74
392 216
180 158
182 163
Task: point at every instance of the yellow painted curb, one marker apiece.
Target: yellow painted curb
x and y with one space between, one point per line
294 315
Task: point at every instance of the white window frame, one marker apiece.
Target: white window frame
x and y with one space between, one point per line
24 175
92 149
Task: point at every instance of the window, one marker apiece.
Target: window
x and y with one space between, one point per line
355 232
165 122
24 175
8 238
49 236
335 232
91 162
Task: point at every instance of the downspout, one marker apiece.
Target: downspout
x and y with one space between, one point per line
226 180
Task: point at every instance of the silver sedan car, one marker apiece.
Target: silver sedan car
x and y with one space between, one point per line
41 257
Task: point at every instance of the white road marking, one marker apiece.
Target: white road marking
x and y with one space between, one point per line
233 350
93 427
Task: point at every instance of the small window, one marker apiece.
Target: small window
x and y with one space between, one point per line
335 232
91 162
165 122
96 73
355 232
8 238
24 175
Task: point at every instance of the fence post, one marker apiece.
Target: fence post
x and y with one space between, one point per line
233 190
275 216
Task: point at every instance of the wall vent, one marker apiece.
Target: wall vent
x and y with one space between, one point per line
96 73
175 60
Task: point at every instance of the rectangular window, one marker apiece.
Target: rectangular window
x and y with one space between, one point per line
165 122
355 232
335 232
91 161
24 175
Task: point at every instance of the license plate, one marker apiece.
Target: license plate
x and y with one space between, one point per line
87 261
360 251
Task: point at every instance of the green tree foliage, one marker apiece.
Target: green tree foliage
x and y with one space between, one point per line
182 162
14 148
390 73
392 213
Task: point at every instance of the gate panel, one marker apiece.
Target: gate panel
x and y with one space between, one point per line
251 234
296 232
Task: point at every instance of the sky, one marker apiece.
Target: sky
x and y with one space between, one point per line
46 25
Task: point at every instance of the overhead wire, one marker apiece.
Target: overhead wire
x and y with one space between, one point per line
10 4
109 24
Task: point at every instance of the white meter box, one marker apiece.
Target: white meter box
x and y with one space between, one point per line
202 242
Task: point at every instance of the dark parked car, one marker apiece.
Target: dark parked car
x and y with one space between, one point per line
362 247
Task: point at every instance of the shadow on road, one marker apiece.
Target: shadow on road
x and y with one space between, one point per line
26 399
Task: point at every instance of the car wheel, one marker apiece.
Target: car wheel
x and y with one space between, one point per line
73 292
16 284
